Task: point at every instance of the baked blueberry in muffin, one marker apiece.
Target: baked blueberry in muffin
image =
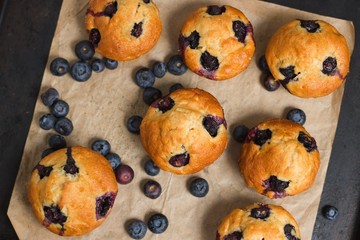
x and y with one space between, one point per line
217 42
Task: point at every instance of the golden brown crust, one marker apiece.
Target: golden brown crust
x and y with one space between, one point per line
180 130
293 45
255 228
282 156
116 40
218 38
74 194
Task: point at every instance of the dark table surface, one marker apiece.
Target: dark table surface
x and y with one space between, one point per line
26 32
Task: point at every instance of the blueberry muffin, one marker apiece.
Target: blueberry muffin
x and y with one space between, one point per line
309 57
185 131
279 158
217 42
259 221
72 190
123 29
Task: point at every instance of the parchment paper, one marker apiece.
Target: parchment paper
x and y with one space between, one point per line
100 107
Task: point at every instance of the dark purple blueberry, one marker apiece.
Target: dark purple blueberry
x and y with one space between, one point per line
144 77
151 168
49 96
260 137
240 132
97 65
296 115
240 30
215 10
275 185
308 142
261 212
237 235
175 87
94 36
114 159
54 215
46 152
84 50
158 223
101 146
199 187
47 121
152 189
57 142
110 9
176 65
329 66
59 66
270 83
133 124
70 166
180 160
159 69
289 73
289 231
192 40
81 71
64 126
103 204
211 124
330 212
60 108
146 1
209 62
151 94
137 229
164 104
124 174
137 29
262 64
44 171
110 63
310 25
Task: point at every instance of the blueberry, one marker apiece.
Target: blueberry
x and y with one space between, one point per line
114 159
240 132
144 78
49 96
209 62
211 124
59 66
261 212
199 187
137 30
159 69
70 166
240 30
84 50
259 137
47 121
57 141
124 174
192 40
176 65
110 9
137 229
60 108
133 124
81 71
289 73
289 231
215 10
101 146
151 94
103 204
158 223
54 215
150 168
329 66
94 36
310 25
64 126
180 160
237 235
152 189
296 115
275 185
47 152
308 142
175 87
164 104
97 65
43 171
270 83
262 64
110 63
330 212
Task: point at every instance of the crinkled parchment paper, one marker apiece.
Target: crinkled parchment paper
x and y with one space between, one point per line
100 107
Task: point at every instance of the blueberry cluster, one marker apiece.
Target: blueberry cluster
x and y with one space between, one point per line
124 173
269 81
59 109
157 223
82 69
